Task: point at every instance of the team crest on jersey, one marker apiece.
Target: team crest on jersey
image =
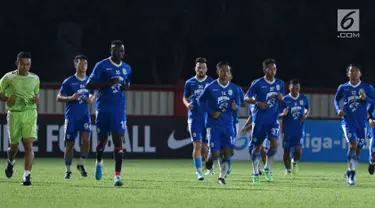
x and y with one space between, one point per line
124 71
86 125
301 102
254 139
277 87
212 144
361 90
350 135
194 134
98 130
68 136
230 92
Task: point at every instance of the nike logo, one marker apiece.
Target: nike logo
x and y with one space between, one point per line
177 144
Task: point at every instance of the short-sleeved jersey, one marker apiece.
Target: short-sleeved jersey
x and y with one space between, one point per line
242 95
110 99
192 89
355 109
264 91
24 88
217 97
292 125
71 85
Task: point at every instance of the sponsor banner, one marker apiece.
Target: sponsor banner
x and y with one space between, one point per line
146 137
167 138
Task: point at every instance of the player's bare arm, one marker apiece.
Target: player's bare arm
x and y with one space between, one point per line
186 102
96 85
250 100
63 98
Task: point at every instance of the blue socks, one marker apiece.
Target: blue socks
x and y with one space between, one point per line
198 163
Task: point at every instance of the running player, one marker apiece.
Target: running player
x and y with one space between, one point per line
295 110
77 115
197 117
265 93
356 95
20 90
111 77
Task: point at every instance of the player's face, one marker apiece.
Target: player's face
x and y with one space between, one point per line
118 52
354 73
24 65
201 69
224 73
270 70
294 88
81 65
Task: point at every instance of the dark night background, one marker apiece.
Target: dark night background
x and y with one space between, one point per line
163 38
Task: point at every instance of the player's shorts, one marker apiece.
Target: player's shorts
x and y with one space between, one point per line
262 131
74 124
292 141
22 125
358 134
220 137
107 122
197 130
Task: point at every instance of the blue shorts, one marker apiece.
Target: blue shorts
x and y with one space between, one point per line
358 134
197 130
220 137
73 125
107 122
292 141
262 131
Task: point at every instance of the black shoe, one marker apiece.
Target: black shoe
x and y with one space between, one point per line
221 181
371 169
209 163
9 170
26 181
82 170
68 175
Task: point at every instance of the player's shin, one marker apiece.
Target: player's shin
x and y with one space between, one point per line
85 148
99 150
119 152
197 158
68 155
224 162
351 159
270 154
286 158
255 157
12 152
29 155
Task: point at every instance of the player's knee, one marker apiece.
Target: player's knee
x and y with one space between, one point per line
13 147
353 145
69 146
197 145
28 147
215 155
271 151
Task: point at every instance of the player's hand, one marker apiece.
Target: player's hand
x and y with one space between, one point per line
341 113
247 128
190 106
234 106
35 99
280 96
372 123
215 114
11 99
262 105
362 95
115 80
285 111
303 118
75 96
88 100
125 87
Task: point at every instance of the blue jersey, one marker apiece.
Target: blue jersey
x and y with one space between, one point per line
264 91
71 85
217 97
292 125
192 89
355 109
111 99
235 113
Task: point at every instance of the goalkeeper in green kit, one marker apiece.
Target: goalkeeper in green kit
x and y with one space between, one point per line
20 89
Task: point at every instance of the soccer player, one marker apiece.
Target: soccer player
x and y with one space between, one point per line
77 115
295 110
220 98
197 117
266 94
20 90
356 95
111 77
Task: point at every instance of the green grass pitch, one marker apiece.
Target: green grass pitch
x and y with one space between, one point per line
172 183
